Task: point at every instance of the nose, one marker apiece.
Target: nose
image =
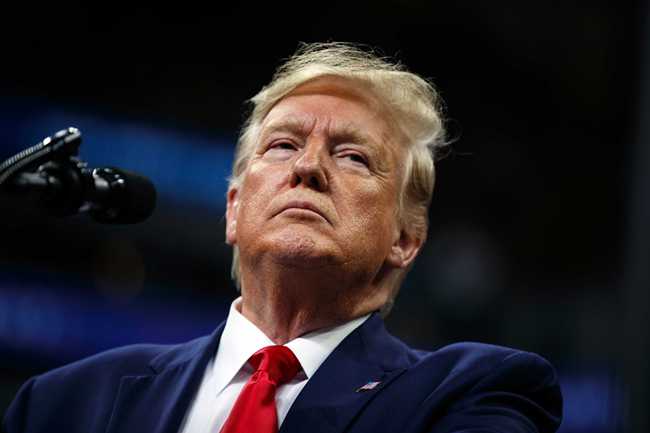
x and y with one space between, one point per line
309 170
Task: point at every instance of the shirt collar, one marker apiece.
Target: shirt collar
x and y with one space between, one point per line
313 348
241 338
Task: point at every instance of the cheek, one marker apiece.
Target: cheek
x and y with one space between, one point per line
373 211
261 178
254 168
260 186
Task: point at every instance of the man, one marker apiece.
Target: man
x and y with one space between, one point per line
326 212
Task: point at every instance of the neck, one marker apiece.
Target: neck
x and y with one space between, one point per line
287 303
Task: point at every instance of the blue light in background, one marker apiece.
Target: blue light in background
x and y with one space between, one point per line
68 325
593 400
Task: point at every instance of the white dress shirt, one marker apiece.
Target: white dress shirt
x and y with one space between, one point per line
228 371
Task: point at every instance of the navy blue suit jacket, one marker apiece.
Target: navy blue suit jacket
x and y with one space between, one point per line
466 387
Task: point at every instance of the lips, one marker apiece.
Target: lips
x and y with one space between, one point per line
299 204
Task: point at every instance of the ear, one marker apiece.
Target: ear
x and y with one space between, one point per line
232 209
404 250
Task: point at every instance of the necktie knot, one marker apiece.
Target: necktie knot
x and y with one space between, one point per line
254 410
278 362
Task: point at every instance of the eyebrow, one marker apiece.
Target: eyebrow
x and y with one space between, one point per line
298 126
348 132
293 125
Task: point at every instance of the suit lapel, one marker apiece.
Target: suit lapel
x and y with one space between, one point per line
157 403
331 399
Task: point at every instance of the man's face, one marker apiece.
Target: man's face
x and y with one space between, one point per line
321 189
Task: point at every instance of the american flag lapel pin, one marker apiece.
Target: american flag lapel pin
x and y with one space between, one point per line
368 386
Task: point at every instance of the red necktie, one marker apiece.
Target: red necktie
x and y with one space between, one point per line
254 411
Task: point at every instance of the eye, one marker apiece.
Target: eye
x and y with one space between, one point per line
279 150
281 145
355 158
285 145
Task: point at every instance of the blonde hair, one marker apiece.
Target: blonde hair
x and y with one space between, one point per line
411 100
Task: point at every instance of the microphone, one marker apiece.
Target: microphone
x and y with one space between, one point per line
108 195
48 176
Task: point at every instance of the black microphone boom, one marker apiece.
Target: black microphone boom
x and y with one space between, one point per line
50 177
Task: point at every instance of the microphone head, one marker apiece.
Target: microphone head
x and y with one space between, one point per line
122 197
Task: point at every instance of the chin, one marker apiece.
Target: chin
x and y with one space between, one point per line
301 250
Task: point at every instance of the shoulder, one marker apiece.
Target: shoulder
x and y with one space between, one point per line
89 386
475 381
134 360
478 360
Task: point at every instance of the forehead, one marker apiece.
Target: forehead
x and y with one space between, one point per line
334 105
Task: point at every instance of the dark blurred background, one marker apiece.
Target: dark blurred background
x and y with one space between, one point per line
538 234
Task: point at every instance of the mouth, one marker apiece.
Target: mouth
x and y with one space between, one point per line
303 207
